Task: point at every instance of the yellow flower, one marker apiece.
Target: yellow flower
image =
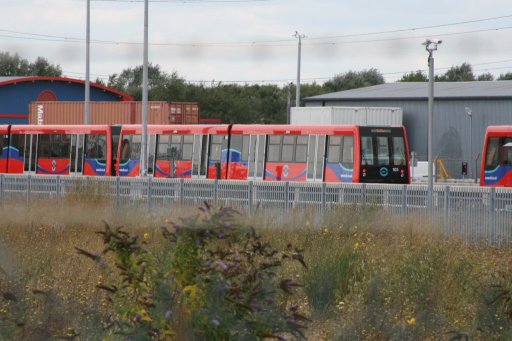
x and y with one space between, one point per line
326 231
411 321
146 235
356 245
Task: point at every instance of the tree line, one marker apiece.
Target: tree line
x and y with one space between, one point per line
232 103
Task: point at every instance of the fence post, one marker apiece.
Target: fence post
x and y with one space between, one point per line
404 200
58 189
1 189
215 191
324 185
251 199
286 195
446 208
363 196
118 192
492 213
29 187
149 193
182 191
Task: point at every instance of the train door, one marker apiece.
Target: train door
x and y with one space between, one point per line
4 151
315 158
218 157
200 156
256 162
77 154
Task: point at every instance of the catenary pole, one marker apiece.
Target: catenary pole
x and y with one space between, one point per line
297 94
144 146
87 118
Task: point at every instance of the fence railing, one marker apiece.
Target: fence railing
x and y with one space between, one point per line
470 212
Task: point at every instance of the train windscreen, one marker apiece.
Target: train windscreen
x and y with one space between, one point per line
383 155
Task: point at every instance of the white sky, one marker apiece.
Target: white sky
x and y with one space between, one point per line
252 40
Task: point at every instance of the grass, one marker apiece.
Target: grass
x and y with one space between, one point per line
368 276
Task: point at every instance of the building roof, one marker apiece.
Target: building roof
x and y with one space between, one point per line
13 80
419 90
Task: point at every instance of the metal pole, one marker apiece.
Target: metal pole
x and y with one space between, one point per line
470 147
430 46
297 94
144 147
87 118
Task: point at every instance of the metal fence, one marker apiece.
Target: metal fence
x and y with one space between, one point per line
470 212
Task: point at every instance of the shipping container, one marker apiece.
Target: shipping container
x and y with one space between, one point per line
347 115
159 112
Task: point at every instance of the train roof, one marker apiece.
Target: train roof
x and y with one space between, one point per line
178 128
291 129
61 128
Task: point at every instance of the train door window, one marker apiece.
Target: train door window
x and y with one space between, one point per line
334 149
288 148
260 155
199 164
45 147
96 147
491 158
347 156
320 151
253 151
382 150
17 144
136 146
30 152
164 151
246 151
301 149
367 150
274 148
399 158
188 147
315 157
218 142
151 153
77 147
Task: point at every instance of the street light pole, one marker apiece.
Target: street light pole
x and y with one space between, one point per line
144 144
87 118
470 114
297 94
430 46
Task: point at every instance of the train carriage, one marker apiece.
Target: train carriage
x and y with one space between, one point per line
60 150
316 153
496 168
175 151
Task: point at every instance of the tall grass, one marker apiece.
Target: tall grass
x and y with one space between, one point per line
368 276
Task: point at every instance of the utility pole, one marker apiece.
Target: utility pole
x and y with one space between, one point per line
288 103
297 94
144 146
87 118
430 46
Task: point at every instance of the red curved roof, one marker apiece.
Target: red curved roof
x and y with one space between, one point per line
14 80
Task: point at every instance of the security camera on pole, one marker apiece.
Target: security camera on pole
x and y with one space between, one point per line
430 46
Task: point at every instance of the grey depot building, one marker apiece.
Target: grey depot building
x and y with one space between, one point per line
462 112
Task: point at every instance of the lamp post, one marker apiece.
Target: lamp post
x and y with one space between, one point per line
470 114
297 92
144 144
430 46
87 117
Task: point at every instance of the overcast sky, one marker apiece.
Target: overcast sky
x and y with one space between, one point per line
252 40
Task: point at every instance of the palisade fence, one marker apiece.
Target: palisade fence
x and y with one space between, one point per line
469 212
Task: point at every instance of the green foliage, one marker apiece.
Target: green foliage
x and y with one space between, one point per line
485 77
505 76
14 65
353 80
418 76
462 73
215 276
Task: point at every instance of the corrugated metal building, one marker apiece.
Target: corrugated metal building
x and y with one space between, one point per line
17 92
490 103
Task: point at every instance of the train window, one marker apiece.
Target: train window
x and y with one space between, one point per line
506 151
188 142
301 150
236 144
45 146
491 158
1 146
366 150
382 150
399 157
333 153
96 146
347 158
163 149
274 148
288 148
136 147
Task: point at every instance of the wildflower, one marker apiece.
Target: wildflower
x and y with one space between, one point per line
146 235
326 231
168 315
221 235
356 245
411 321
222 265
137 317
215 322
198 242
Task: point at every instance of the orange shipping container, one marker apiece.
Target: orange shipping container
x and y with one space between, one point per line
159 112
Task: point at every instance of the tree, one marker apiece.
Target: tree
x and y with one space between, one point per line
463 73
130 80
505 76
485 77
12 65
418 76
353 80
41 67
